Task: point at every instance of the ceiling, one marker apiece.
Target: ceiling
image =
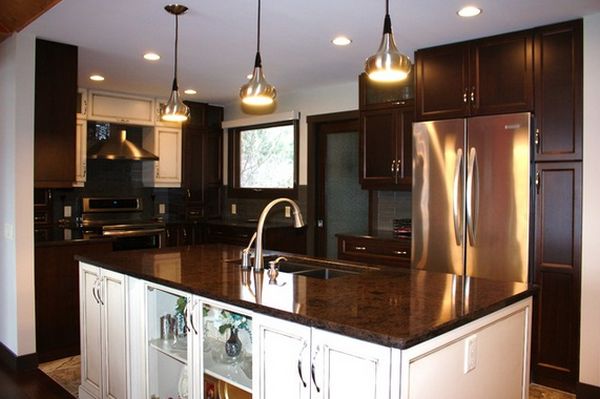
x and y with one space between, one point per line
217 38
17 14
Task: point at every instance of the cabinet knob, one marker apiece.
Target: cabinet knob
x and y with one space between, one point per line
401 252
537 140
473 94
393 169
398 164
360 248
537 181
465 95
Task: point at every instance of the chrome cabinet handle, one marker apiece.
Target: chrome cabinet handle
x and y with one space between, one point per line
455 204
99 289
401 252
312 369
188 193
472 206
465 95
191 319
537 140
304 345
360 248
398 165
393 168
94 291
537 181
473 94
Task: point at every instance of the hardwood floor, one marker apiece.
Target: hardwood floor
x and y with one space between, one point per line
29 385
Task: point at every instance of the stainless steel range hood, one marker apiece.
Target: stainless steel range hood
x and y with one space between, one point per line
118 147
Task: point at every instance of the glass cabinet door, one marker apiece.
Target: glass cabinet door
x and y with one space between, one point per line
227 353
168 344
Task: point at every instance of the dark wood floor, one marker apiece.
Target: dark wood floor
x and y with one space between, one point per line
29 385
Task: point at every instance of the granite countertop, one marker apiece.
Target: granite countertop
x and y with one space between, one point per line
60 235
249 223
397 308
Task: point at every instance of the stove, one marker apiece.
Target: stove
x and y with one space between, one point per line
122 218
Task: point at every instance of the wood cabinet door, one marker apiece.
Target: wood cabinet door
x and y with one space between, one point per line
377 147
404 120
169 153
112 297
54 119
344 367
558 55
557 262
501 78
91 331
80 153
284 359
442 82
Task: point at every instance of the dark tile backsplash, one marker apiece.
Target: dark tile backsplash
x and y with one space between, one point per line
248 208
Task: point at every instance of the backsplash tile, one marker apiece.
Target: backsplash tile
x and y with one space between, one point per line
392 205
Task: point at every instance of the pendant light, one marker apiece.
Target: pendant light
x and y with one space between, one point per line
258 91
387 64
175 110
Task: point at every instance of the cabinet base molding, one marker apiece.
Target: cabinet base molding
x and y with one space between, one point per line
83 394
585 391
18 363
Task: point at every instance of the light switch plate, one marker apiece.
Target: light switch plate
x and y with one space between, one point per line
470 354
288 211
234 209
67 211
9 231
162 209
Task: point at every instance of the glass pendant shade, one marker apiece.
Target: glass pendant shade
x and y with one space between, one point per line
258 91
388 64
175 110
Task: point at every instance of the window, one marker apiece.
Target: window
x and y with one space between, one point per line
263 160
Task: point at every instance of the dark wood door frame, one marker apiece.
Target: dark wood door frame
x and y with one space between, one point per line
317 126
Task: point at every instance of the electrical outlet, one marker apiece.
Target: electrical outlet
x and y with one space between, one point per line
288 211
67 211
162 209
470 354
9 231
234 209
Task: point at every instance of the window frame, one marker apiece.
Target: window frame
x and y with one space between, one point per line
233 164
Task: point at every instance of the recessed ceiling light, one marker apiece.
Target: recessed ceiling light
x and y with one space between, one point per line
190 91
341 41
97 78
469 11
151 56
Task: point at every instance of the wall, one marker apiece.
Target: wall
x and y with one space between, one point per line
17 307
590 315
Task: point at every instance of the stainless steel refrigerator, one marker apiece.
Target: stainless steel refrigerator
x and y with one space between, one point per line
470 198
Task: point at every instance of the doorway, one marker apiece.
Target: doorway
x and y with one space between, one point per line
339 204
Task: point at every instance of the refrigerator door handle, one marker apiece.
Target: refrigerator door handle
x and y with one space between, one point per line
455 204
472 203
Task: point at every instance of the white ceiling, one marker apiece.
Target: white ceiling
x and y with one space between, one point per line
217 38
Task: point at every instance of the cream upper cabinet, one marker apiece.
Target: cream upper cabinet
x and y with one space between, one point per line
82 99
121 108
164 142
159 104
80 153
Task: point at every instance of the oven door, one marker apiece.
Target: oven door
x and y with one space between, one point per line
124 240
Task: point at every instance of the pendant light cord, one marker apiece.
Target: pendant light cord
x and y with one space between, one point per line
175 86
257 59
387 22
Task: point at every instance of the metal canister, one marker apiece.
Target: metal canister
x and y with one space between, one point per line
166 329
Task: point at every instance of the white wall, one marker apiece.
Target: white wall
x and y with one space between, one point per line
17 306
320 100
590 294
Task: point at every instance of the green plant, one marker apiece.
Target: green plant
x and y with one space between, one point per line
181 304
231 320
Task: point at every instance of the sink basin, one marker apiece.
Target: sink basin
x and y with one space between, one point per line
290 267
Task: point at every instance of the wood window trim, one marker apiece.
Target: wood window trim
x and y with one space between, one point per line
233 149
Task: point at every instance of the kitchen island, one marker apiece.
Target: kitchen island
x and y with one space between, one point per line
379 333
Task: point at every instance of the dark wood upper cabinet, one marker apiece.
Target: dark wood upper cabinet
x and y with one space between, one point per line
386 148
486 76
55 110
202 159
377 95
557 264
558 54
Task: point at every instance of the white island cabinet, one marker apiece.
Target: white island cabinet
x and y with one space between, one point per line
104 334
130 350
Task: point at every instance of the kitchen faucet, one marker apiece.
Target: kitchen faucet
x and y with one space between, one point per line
259 263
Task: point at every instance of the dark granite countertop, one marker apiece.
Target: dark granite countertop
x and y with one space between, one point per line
378 235
55 235
249 223
397 308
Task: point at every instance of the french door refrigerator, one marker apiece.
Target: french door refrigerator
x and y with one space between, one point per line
471 199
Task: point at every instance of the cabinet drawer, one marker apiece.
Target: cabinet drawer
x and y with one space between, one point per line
389 252
229 234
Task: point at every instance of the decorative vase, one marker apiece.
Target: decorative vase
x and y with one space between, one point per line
233 345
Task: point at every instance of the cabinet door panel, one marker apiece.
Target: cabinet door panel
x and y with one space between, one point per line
169 149
441 82
558 97
284 365
378 147
115 340
91 336
349 368
557 261
502 74
405 120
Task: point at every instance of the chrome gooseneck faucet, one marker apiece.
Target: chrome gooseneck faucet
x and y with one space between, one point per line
259 263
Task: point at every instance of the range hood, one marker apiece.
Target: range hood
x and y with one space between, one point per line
118 147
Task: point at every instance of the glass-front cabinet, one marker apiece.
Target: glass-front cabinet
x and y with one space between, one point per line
195 348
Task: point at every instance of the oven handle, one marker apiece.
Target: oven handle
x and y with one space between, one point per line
132 233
